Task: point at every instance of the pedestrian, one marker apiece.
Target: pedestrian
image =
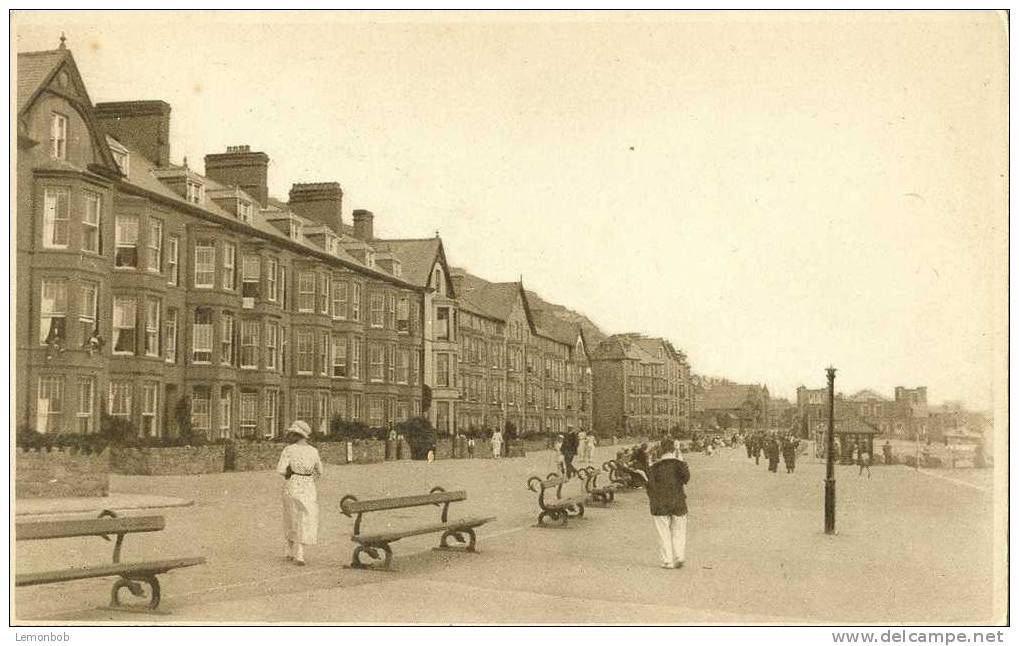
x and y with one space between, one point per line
789 446
582 446
772 454
569 451
497 443
592 442
863 460
758 448
887 450
749 442
666 480
299 464
470 446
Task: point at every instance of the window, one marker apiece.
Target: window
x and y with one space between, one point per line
201 408
271 411
377 307
340 406
226 340
150 408
86 405
152 311
339 356
306 292
322 354
414 367
339 299
375 359
53 312
323 413
403 315
50 404
355 359
170 335
249 412
90 222
249 344
172 254
229 262
323 294
250 276
304 406
201 336
125 315
226 401
205 264
391 363
55 215
126 240
195 192
243 211
305 353
442 417
123 160
283 287
375 413
390 311
355 407
402 366
355 302
58 136
120 398
155 245
271 334
271 267
442 369
442 324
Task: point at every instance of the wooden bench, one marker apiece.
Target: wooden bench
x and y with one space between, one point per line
600 494
622 475
558 508
376 546
129 575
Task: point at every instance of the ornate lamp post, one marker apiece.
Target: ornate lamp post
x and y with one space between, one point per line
829 480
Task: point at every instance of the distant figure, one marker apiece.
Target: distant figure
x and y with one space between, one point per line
667 500
863 460
470 447
497 444
592 442
887 450
299 464
757 442
789 446
582 446
773 454
569 451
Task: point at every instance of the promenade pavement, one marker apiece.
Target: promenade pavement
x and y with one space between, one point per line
912 547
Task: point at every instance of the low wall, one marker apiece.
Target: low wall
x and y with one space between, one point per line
256 456
167 461
61 473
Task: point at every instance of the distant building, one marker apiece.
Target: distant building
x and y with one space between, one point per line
724 405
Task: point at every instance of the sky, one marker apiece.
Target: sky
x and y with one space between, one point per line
773 192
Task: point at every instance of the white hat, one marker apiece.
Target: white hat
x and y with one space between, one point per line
301 428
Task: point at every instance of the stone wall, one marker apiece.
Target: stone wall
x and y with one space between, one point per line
61 473
166 461
256 456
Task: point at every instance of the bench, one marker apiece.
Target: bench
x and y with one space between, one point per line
376 545
600 494
558 508
623 475
129 575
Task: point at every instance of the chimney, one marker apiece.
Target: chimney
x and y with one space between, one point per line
240 167
321 202
141 125
458 284
363 225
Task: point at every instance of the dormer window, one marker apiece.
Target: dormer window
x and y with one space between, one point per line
369 258
243 211
195 192
396 269
332 245
58 135
123 160
294 229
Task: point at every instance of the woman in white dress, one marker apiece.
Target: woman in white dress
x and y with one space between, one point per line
299 464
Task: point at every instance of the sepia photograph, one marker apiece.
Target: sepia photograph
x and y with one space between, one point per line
510 318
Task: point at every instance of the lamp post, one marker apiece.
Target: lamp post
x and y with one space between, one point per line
829 480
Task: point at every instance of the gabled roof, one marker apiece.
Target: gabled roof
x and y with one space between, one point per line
417 257
728 396
552 327
35 69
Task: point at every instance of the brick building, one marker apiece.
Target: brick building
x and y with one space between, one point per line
724 405
517 364
641 385
148 288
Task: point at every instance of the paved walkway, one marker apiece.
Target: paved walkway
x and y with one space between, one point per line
118 502
910 549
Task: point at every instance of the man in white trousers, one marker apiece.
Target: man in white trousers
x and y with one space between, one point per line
665 481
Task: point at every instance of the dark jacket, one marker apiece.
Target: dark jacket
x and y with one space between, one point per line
665 487
570 444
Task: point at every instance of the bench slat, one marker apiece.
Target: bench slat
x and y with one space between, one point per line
44 529
381 504
113 569
386 537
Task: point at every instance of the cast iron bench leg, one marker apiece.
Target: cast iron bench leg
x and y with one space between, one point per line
134 585
373 552
466 537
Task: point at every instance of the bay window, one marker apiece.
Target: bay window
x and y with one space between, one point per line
205 264
125 320
250 276
152 312
249 344
90 222
229 264
201 336
53 312
50 405
201 409
126 241
155 248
